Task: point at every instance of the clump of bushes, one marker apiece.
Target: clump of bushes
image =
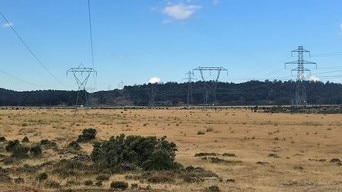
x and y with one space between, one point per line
36 150
11 145
119 185
126 153
22 151
74 146
87 135
18 150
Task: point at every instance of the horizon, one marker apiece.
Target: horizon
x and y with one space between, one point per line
134 42
165 83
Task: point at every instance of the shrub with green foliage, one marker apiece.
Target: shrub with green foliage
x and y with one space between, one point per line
42 176
20 152
119 185
11 145
25 140
148 153
17 149
2 139
74 146
87 135
36 150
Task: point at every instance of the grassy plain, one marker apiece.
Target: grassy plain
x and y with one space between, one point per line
263 152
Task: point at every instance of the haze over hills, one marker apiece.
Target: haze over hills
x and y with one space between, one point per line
182 94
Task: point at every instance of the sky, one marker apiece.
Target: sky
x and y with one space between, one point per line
135 41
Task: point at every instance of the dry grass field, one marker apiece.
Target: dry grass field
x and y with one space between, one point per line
249 151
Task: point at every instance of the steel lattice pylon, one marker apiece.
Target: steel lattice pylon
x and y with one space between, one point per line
210 85
300 95
189 79
81 74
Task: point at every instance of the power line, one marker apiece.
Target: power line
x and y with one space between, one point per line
327 54
19 79
28 48
91 34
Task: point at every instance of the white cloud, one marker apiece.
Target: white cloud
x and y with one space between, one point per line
154 80
314 78
180 11
6 25
341 26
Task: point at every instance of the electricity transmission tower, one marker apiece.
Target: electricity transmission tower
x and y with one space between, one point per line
189 78
300 94
151 95
81 75
210 85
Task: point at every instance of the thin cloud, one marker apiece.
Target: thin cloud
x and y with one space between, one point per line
180 11
6 25
216 2
314 78
341 26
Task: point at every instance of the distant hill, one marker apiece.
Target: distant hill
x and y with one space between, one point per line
180 94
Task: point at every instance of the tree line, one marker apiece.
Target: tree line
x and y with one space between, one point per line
181 94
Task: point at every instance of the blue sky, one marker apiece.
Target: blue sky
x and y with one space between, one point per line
135 40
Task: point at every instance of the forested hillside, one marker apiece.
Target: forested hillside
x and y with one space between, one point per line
179 94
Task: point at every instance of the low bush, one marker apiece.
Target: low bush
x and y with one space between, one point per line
119 185
42 176
36 150
11 145
126 153
87 135
20 151
73 145
25 140
2 139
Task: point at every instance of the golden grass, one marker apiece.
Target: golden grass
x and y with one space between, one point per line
302 144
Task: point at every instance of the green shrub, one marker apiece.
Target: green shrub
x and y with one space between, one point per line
119 185
11 145
36 150
124 153
159 160
25 140
74 146
42 176
20 151
87 135
2 139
